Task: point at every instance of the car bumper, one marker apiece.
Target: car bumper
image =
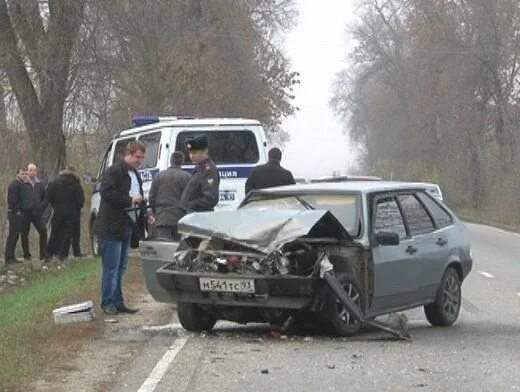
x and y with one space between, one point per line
284 292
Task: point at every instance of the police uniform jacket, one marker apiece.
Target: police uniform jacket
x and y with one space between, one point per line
113 220
165 195
201 193
269 175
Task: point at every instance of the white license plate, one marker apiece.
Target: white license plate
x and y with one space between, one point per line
227 196
227 285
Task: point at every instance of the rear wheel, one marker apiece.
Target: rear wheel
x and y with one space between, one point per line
340 320
193 318
445 310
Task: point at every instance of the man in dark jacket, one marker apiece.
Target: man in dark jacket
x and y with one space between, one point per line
119 216
15 200
165 196
66 197
270 174
34 205
201 193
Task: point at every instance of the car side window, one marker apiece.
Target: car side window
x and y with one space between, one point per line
105 163
388 217
419 222
440 216
152 143
119 151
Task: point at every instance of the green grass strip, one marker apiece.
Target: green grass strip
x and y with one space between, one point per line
27 303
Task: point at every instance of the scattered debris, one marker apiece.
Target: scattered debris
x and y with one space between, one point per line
264 371
331 366
307 339
111 320
74 313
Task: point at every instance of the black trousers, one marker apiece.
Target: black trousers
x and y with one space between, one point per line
62 226
15 227
76 235
37 221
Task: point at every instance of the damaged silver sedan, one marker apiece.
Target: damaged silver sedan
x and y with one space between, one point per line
339 254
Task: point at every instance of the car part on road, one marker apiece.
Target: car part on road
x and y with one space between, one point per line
445 310
355 312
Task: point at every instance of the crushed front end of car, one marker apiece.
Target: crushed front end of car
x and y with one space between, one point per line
263 265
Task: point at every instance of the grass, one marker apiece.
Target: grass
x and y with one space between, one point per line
26 322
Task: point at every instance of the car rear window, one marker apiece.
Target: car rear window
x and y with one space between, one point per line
419 222
440 216
225 147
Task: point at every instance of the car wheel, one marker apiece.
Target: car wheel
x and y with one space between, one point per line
341 322
193 318
94 245
445 310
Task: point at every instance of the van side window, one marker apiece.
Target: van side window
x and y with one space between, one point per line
119 151
388 217
440 216
419 222
152 142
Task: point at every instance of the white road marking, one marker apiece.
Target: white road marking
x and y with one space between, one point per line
486 274
160 368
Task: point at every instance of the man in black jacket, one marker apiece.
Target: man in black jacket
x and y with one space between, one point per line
33 208
270 174
119 216
165 195
201 193
66 196
15 200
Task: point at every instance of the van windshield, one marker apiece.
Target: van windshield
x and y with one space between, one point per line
225 147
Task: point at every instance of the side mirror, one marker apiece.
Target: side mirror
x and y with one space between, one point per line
385 238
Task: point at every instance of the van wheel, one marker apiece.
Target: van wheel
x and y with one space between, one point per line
340 321
94 244
445 310
193 318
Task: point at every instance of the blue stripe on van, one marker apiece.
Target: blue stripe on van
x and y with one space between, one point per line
225 172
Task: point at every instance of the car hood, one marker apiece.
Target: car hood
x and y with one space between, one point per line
263 229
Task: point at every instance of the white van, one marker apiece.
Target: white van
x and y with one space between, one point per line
236 146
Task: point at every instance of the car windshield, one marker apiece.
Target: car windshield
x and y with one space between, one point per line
344 207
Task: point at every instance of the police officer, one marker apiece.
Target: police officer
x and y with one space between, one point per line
201 193
270 174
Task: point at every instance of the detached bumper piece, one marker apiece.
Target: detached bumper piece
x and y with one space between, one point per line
284 292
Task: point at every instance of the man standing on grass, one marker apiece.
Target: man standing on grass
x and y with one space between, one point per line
119 216
15 200
33 208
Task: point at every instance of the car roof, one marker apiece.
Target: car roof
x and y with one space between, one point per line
196 122
349 186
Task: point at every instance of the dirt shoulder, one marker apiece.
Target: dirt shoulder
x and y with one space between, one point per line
85 357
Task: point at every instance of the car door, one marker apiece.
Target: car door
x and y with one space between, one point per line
396 270
424 238
444 240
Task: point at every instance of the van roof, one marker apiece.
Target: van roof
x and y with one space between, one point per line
192 122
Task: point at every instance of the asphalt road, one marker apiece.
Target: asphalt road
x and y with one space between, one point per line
481 352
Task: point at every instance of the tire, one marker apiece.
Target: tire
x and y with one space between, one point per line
94 245
193 318
445 310
336 316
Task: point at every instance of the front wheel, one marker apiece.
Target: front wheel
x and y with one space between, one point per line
339 319
193 318
445 310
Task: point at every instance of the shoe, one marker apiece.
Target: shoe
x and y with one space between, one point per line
125 309
110 311
80 255
27 258
13 261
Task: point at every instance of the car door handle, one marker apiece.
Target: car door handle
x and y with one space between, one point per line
441 241
411 249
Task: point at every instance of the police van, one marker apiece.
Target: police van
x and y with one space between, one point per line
235 145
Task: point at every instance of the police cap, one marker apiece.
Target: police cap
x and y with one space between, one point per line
199 142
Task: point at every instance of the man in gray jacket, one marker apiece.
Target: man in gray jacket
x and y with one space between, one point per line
164 197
